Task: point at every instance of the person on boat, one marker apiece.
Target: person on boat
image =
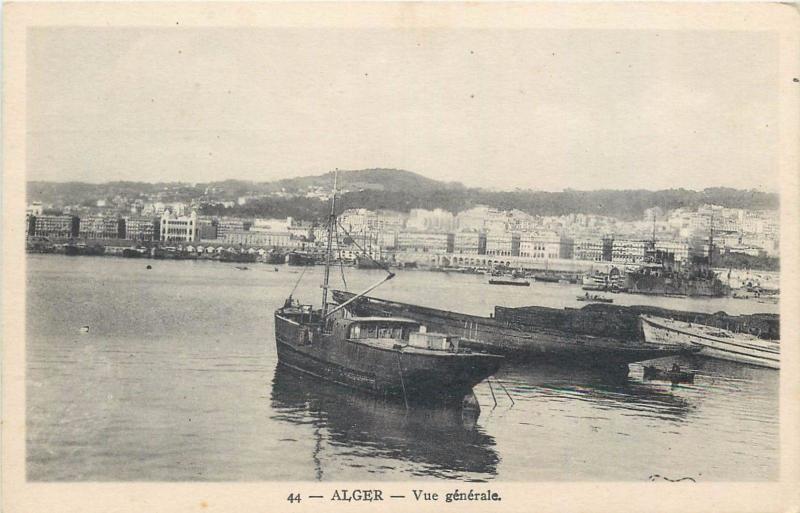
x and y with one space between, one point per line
587 295
676 367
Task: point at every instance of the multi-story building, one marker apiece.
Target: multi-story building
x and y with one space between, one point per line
680 249
434 220
231 224
628 251
425 242
588 248
142 228
473 243
178 228
271 225
303 230
56 226
102 227
501 243
540 245
387 239
206 228
260 238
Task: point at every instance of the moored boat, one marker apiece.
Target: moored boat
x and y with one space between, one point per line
296 258
519 282
524 342
713 342
386 355
594 298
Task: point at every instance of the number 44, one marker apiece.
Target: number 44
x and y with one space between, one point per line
293 497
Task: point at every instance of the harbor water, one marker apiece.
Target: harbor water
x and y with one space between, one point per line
176 379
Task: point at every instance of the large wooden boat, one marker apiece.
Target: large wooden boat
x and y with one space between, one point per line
383 354
713 342
518 340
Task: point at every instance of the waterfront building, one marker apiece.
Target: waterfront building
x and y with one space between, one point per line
302 230
226 225
142 228
260 238
628 251
178 228
425 242
206 228
473 243
543 246
387 239
101 227
56 226
588 248
501 243
30 225
678 248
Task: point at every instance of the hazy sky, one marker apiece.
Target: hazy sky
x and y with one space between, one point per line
540 109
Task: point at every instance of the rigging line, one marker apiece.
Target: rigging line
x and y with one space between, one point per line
341 263
379 264
298 280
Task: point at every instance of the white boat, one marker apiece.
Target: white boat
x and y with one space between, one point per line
715 342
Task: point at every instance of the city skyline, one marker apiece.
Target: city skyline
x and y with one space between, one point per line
534 109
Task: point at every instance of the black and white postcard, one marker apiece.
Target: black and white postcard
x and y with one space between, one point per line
400 257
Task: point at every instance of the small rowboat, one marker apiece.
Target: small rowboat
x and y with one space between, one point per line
673 376
595 298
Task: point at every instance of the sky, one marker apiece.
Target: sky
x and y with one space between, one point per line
498 108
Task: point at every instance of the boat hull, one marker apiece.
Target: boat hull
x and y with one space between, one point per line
384 372
510 282
736 350
520 342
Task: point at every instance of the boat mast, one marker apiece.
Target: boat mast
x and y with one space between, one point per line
331 228
711 241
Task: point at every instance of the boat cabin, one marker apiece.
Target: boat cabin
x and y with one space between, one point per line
395 330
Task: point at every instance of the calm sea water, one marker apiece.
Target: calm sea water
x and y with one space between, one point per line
177 380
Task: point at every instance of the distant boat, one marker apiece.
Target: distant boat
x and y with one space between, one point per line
546 278
714 342
363 262
242 268
595 299
85 329
133 252
296 258
510 281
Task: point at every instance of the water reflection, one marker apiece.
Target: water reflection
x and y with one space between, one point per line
437 441
604 390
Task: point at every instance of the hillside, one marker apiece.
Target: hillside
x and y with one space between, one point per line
395 189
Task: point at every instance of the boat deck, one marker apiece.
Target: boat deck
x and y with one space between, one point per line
391 344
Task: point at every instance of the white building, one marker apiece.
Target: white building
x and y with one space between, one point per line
178 228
